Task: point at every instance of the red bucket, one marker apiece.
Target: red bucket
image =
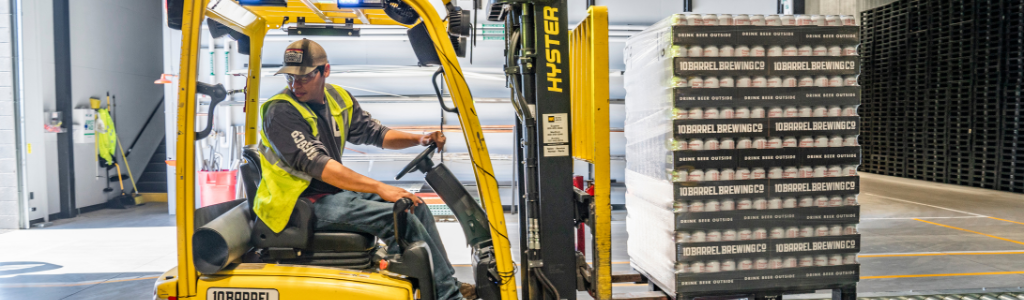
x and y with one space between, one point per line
217 187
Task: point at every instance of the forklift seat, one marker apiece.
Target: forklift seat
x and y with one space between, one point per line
298 243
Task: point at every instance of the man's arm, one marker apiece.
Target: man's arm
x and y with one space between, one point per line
342 177
365 130
395 139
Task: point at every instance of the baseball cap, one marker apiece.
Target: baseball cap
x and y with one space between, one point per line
301 57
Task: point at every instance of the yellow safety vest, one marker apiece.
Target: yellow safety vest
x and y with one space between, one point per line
282 184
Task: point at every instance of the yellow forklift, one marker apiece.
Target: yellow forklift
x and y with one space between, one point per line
226 252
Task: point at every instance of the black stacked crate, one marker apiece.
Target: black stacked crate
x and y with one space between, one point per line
942 90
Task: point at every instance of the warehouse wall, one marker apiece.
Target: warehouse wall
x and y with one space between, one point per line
8 156
39 97
115 47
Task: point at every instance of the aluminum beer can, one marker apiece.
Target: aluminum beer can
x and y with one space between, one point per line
697 267
680 176
759 81
835 141
695 51
696 113
744 204
741 51
728 265
818 20
760 263
695 176
743 173
698 236
741 112
805 81
679 19
819 111
835 230
760 143
696 82
777 233
728 205
772 20
792 232
848 20
682 268
849 171
725 20
830 20
744 234
713 266
712 143
805 112
849 111
821 230
775 50
850 200
694 20
805 172
850 259
696 144
745 265
834 171
726 81
679 206
775 263
789 50
821 141
835 111
788 20
743 82
790 172
789 81
819 50
806 142
789 142
710 20
820 171
832 51
835 260
758 173
850 80
821 201
775 203
775 112
760 204
757 112
741 20
696 205
774 81
775 172
806 201
727 144
789 202
806 261
820 260
757 20
728 235
714 236
744 143
819 81
728 174
712 205
711 82
680 82
804 50
833 81
682 237
803 20
791 112
789 262
850 51
757 51
833 201
711 175
850 229
710 51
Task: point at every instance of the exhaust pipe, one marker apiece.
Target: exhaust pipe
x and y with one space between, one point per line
222 241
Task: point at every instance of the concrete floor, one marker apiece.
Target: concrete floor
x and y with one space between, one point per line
918 237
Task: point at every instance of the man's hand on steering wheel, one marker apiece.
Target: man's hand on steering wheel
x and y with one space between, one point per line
392 193
436 137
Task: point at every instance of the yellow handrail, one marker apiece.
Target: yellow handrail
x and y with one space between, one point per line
588 43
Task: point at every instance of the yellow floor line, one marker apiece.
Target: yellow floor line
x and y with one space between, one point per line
41 285
1004 220
971 231
942 275
938 254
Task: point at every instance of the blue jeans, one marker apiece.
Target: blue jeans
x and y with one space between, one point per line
366 212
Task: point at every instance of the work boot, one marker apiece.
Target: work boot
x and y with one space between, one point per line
467 290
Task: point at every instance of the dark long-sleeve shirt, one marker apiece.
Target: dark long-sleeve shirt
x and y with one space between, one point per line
292 138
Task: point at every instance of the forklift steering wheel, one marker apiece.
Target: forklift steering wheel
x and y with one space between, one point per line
421 163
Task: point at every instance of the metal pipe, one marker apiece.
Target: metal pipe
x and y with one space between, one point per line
19 92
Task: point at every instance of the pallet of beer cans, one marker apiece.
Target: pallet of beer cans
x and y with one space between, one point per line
742 154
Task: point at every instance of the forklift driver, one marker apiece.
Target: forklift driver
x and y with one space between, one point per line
304 131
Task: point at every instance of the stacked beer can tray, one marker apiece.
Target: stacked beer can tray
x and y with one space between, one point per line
742 153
